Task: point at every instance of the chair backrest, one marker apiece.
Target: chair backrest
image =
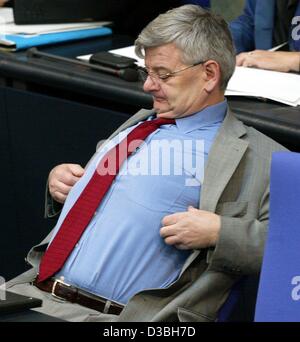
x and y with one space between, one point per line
227 308
202 3
240 304
279 286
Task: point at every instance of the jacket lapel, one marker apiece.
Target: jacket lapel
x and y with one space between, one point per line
224 158
139 116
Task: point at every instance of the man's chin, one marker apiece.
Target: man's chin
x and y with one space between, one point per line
166 115
164 112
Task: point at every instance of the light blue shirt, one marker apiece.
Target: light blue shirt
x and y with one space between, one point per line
121 251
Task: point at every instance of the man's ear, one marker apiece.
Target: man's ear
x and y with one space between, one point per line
212 75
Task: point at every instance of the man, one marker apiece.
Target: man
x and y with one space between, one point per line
265 25
146 252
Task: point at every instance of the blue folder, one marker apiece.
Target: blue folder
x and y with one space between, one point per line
21 42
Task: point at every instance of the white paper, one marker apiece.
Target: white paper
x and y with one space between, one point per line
277 86
257 95
129 52
84 57
6 15
12 28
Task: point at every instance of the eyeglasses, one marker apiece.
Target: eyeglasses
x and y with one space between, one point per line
144 73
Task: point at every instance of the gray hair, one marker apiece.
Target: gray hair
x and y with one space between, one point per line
198 33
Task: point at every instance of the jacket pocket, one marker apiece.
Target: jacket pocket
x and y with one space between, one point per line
185 315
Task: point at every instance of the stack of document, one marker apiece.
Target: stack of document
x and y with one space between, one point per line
278 86
17 37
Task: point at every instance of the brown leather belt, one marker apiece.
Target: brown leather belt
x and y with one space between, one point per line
74 295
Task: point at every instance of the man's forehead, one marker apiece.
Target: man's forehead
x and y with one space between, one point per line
168 52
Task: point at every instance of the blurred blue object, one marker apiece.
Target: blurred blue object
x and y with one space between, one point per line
278 297
202 3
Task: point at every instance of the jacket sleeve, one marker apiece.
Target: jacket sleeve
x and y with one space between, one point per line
242 28
52 208
239 249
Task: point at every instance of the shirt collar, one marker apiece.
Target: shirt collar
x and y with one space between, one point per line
206 117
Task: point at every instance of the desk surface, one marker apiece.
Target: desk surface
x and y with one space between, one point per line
279 121
28 316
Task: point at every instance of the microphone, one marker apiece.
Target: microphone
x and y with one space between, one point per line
127 74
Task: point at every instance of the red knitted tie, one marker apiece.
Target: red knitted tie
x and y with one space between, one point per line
84 208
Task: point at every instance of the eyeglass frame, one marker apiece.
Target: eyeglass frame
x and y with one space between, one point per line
144 73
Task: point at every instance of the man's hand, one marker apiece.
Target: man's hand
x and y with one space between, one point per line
2 2
61 180
193 229
270 60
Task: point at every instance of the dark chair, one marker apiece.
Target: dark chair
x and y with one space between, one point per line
240 305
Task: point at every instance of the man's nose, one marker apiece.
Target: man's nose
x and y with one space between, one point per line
150 85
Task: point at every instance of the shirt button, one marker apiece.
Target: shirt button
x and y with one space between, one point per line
135 150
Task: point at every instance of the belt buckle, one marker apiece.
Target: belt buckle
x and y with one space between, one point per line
58 281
